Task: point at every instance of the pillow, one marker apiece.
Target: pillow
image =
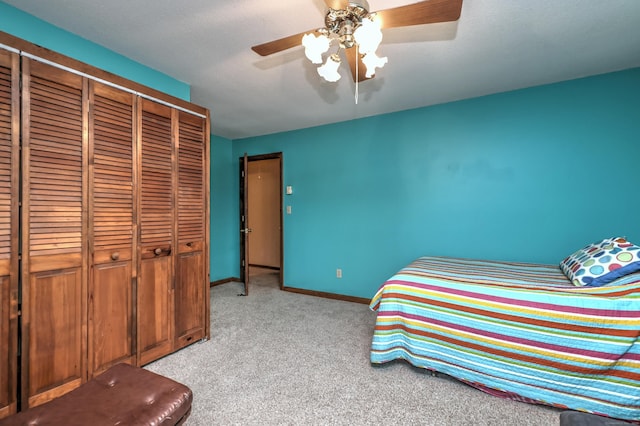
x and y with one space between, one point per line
600 263
632 278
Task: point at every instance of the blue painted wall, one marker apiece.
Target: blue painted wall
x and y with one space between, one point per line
225 251
224 259
37 31
529 175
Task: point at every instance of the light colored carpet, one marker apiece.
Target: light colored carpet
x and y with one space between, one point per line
280 358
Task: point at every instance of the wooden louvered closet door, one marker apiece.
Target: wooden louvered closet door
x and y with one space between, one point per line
191 285
54 222
111 231
9 173
104 224
157 222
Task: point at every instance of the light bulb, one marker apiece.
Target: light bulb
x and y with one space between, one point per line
314 47
372 61
329 71
368 35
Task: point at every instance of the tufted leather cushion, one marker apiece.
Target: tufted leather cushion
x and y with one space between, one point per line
122 395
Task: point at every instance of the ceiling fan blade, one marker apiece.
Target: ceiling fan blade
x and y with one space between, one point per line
279 45
424 12
337 4
352 57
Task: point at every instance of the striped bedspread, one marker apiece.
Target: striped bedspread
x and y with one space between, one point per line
516 330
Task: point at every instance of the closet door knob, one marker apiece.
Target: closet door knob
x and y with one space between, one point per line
158 251
189 244
115 255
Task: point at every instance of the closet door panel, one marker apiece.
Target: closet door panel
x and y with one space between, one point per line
112 223
111 316
191 280
55 334
53 232
190 310
155 304
9 172
155 283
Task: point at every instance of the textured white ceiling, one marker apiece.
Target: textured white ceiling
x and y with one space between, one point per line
496 46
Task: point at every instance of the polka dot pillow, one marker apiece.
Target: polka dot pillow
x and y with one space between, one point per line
601 263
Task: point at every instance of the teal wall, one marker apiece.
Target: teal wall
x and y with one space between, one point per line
37 31
224 260
529 175
225 251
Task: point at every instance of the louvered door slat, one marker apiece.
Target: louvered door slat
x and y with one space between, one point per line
54 283
112 173
6 150
191 183
56 178
155 295
156 195
9 170
111 322
190 276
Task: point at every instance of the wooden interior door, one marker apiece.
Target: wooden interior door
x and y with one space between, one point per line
155 281
251 213
53 232
244 223
265 215
191 286
111 187
9 185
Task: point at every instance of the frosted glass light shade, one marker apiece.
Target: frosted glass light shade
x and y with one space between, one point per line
368 36
329 71
372 61
314 47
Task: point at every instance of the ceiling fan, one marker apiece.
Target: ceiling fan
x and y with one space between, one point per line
350 25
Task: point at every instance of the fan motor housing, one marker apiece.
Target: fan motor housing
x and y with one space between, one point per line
343 21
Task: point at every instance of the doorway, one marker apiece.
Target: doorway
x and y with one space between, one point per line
261 232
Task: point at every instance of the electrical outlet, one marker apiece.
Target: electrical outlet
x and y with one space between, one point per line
338 273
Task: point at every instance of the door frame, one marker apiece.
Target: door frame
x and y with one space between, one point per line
244 214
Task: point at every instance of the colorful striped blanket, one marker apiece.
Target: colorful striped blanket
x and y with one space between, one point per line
517 330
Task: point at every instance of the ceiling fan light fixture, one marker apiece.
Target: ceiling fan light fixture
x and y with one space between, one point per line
349 24
351 27
314 47
329 71
373 61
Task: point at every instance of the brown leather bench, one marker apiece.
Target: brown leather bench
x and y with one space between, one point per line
122 395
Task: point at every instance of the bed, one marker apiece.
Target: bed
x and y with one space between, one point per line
559 335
